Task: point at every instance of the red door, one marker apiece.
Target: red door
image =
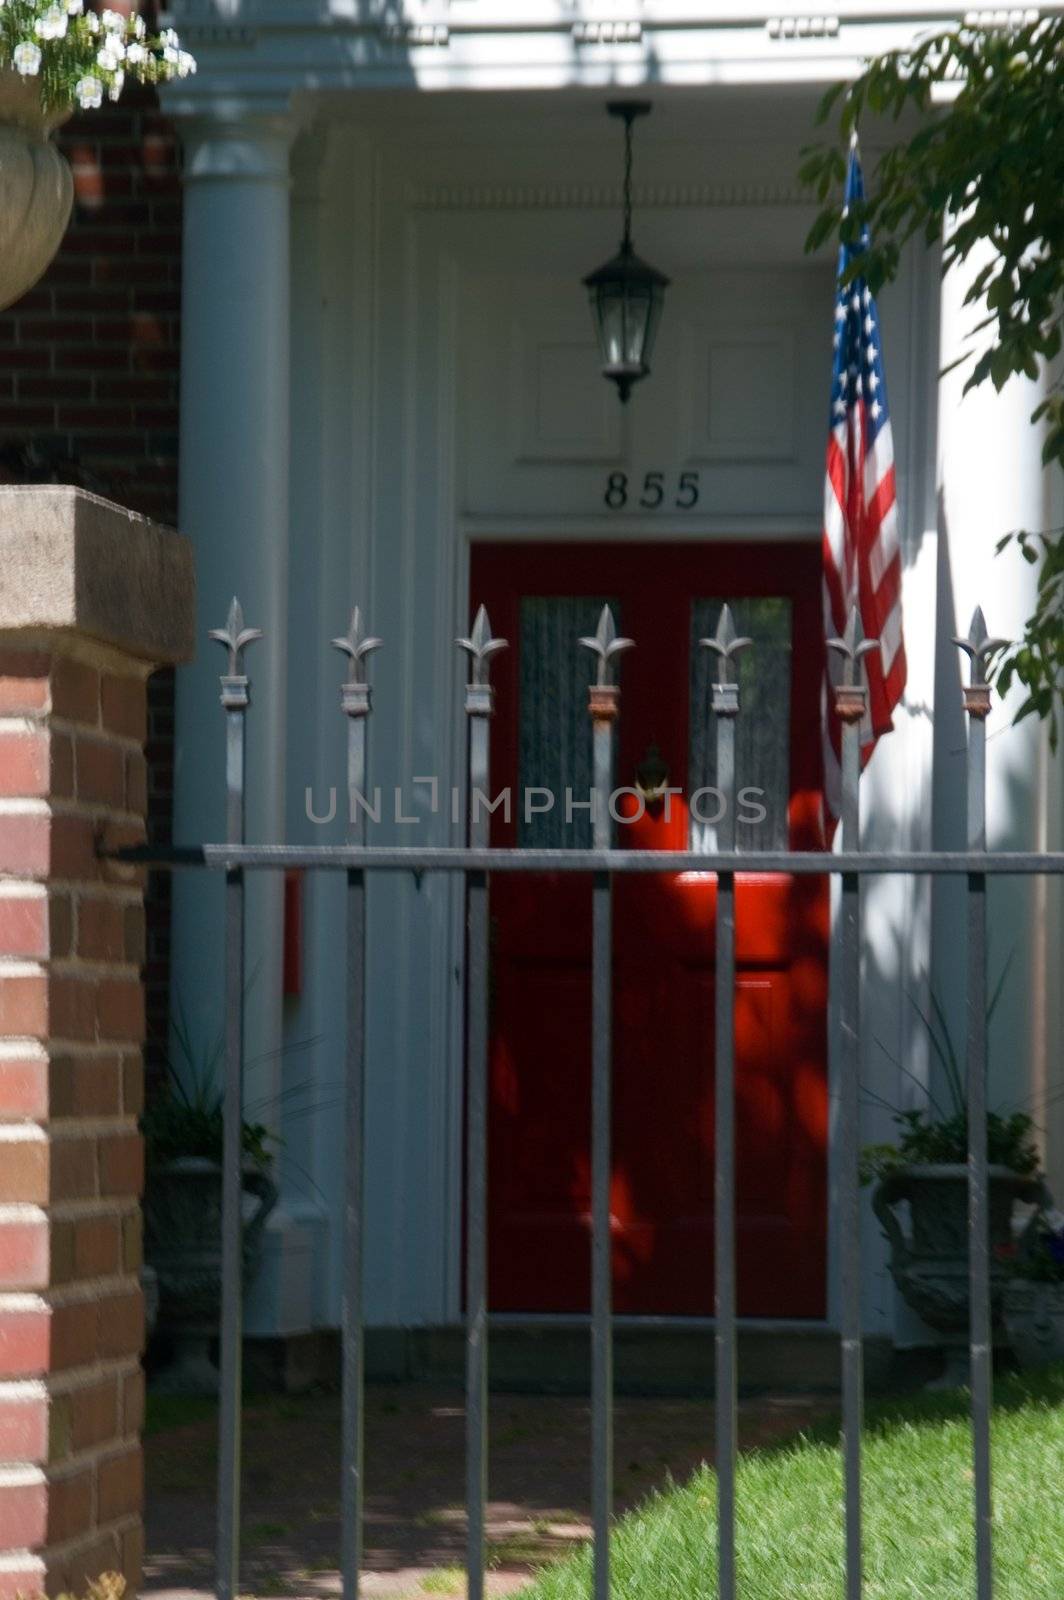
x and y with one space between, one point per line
665 597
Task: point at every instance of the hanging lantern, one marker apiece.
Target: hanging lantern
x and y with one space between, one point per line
626 294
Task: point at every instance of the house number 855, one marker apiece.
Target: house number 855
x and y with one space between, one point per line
653 493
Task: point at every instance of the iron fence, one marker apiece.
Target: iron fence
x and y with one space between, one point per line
476 862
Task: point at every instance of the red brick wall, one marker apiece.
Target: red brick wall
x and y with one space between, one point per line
71 1091
89 386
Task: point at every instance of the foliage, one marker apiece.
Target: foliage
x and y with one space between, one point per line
984 167
917 1494
186 1117
78 57
1042 1257
922 1140
940 1133
108 1586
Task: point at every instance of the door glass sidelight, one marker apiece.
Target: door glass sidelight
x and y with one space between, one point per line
762 744
554 752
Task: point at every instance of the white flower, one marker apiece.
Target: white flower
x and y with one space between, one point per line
27 59
52 24
113 21
116 85
171 55
169 37
138 25
186 64
93 22
89 92
109 56
136 53
75 7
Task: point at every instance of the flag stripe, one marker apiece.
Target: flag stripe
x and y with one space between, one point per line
861 547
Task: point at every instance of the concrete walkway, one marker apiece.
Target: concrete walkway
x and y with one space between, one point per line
540 1471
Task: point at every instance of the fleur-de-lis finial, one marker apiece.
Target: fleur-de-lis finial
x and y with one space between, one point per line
480 646
234 636
979 647
726 644
605 645
852 646
356 646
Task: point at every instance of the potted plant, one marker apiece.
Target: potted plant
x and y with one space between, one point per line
925 1173
56 56
1033 1302
183 1130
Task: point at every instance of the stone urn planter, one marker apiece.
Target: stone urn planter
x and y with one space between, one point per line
36 186
929 1259
1033 1314
183 1244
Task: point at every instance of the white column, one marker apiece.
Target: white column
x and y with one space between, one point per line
992 482
234 506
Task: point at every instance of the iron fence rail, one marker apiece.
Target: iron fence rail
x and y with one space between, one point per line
476 861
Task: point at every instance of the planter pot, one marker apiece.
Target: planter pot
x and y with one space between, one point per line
183 1245
929 1261
1033 1314
36 187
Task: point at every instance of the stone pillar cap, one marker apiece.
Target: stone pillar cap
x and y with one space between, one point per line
71 562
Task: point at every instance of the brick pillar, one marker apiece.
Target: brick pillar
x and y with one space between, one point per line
91 599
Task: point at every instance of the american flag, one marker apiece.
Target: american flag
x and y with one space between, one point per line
862 559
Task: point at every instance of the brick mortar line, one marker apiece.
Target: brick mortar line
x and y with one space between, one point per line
118 1206
68 967
91 1456
30 723
68 1129
76 1292
58 1385
12 888
127 1522
59 1045
61 805
20 1046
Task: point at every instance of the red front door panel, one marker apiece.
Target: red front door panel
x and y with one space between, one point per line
662 1186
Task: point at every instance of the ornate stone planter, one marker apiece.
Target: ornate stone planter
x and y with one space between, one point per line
929 1260
1033 1314
36 187
183 1243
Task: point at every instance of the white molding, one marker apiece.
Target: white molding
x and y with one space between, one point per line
601 196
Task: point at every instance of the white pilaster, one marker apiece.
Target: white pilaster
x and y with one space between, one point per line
991 483
234 506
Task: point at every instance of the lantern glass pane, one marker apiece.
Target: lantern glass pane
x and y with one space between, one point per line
637 305
607 303
653 322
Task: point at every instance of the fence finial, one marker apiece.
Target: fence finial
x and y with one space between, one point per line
852 646
235 637
355 693
480 647
605 644
979 647
726 644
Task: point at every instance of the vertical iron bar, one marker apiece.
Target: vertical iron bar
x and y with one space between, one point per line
478 704
601 1233
851 701
356 702
725 710
977 704
235 698
603 705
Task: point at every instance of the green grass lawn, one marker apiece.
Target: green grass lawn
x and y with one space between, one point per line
917 1504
